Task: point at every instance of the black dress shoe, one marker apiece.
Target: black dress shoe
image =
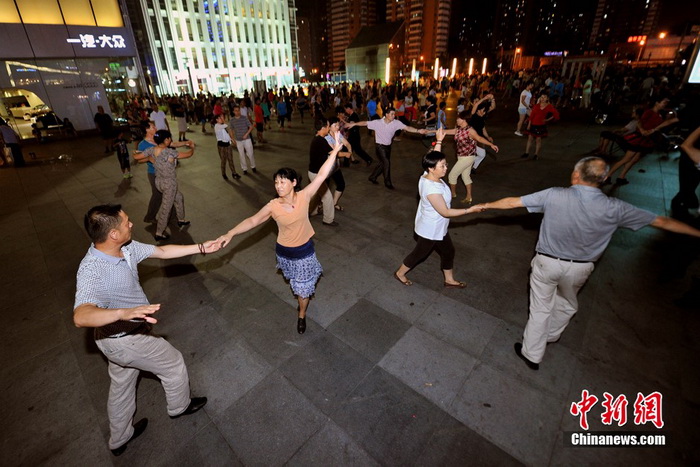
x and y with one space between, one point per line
255 170
519 352
301 325
139 427
161 237
183 223
331 224
373 180
245 172
225 177
389 186
196 403
235 175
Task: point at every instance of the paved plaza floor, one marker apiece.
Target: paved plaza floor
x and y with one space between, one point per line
385 374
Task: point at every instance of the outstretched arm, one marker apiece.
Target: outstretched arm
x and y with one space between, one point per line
323 172
352 124
178 251
504 203
438 202
245 225
689 146
672 225
480 139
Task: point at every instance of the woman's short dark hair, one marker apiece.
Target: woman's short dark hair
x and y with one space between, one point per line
332 120
162 135
464 115
100 220
431 159
289 174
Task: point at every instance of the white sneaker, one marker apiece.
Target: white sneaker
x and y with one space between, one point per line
518 133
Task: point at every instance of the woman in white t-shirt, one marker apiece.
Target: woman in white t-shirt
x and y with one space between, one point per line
432 219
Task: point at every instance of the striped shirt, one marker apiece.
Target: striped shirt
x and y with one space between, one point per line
240 127
110 282
384 132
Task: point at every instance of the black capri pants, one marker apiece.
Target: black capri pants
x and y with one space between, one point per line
424 247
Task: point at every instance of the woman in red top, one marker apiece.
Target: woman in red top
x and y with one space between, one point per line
641 141
542 113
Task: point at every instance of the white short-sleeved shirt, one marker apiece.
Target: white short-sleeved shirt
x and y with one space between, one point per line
528 97
429 223
158 117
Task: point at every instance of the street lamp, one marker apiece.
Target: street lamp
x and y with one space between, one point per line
422 59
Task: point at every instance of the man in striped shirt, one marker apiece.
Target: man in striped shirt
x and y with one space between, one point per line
384 131
109 298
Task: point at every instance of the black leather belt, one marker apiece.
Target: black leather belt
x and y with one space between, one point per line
563 259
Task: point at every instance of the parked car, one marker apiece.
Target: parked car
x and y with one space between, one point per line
36 111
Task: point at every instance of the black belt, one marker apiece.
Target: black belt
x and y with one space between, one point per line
385 145
563 259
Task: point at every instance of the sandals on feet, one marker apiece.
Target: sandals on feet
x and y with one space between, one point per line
458 285
406 283
338 207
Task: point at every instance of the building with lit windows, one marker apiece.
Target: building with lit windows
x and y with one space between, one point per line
216 46
616 20
427 27
65 56
346 18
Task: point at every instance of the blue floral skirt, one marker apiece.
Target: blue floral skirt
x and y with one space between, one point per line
300 267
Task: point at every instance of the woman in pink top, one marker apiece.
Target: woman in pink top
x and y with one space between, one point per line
296 256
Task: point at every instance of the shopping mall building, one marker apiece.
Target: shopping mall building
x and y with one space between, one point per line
71 56
65 56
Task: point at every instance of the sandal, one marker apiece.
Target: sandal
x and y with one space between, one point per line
407 283
458 285
467 201
338 207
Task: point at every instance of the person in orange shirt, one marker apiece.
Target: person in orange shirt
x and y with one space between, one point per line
296 256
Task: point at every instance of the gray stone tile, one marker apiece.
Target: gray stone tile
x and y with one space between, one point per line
429 366
389 420
331 446
510 413
369 329
270 423
454 444
556 370
34 338
226 373
208 447
273 333
458 324
326 371
45 408
408 303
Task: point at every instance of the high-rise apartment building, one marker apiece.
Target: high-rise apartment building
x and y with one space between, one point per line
217 45
427 24
346 18
538 26
616 20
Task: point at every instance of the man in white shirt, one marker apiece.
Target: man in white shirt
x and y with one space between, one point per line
384 131
158 117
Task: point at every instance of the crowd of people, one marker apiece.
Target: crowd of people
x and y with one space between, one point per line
577 226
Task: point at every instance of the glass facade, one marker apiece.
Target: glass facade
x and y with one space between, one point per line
64 57
218 45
